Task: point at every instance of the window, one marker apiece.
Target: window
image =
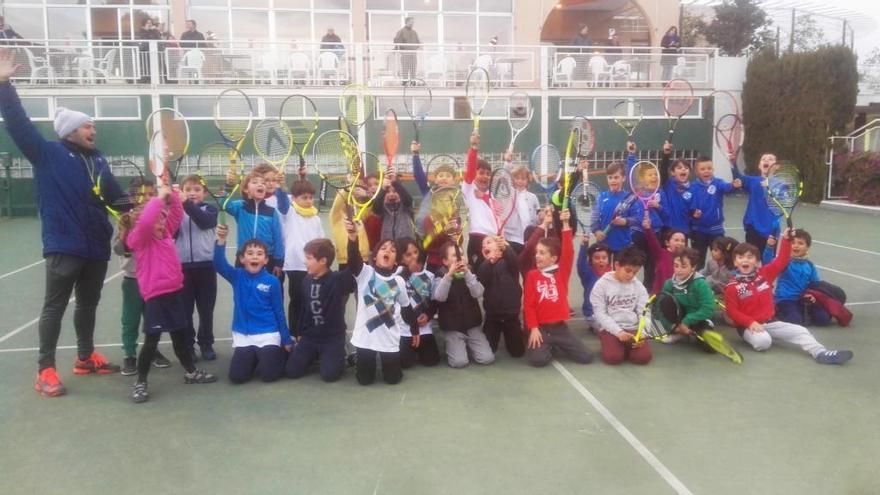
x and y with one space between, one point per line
26 21
422 5
214 21
124 107
458 21
289 26
500 26
195 107
496 5
67 23
495 109
460 29
249 24
85 104
460 5
570 107
36 108
604 108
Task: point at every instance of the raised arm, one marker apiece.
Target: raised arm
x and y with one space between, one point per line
419 174
20 128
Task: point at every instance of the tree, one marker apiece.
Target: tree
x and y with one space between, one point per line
692 29
808 34
739 25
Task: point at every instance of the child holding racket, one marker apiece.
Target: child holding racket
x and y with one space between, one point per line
695 299
593 262
382 295
195 247
394 208
674 184
259 330
160 279
257 220
618 298
525 213
338 215
475 188
705 200
457 292
502 298
300 224
758 220
545 302
748 301
321 325
613 208
419 284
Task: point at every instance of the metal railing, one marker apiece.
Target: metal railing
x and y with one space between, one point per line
865 139
164 63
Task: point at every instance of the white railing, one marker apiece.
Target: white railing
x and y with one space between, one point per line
864 139
59 62
161 63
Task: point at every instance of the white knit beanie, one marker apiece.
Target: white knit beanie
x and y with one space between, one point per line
67 121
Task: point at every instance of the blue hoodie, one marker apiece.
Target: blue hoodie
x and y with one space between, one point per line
708 197
758 215
619 237
794 280
673 207
258 304
259 221
74 219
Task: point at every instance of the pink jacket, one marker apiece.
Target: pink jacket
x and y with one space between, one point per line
158 267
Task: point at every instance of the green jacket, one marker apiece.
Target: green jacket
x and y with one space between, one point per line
696 299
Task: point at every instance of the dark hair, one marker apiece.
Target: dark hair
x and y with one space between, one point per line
408 18
378 246
552 244
262 168
190 179
667 235
595 248
679 162
446 247
483 164
703 159
300 187
192 21
630 256
321 249
253 243
137 184
746 248
614 168
689 254
403 244
725 245
802 235
445 168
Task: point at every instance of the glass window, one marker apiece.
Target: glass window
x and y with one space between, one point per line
328 108
383 27
196 106
605 106
219 3
67 23
430 5
125 107
147 2
389 103
333 4
105 24
249 24
495 108
26 21
79 103
36 108
572 107
293 4
293 26
496 6
215 21
500 26
460 29
651 107
460 5
426 27
339 22
383 4
250 3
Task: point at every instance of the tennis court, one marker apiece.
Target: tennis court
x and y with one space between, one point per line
686 423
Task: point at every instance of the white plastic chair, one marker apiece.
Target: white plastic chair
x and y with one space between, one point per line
620 71
192 62
299 68
563 72
104 67
38 65
266 68
680 70
436 69
328 64
600 69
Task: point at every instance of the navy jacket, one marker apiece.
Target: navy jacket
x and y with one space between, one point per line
74 218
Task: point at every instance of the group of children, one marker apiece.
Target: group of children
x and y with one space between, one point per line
509 283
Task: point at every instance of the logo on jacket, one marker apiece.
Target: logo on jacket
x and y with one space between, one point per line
712 189
686 195
263 287
547 290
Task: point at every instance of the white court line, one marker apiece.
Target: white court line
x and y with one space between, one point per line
13 272
841 246
863 303
866 279
627 435
118 344
26 325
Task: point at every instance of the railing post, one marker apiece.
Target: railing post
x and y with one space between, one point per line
545 100
154 66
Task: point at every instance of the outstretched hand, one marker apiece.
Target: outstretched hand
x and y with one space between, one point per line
8 66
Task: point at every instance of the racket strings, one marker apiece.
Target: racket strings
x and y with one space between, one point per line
678 97
272 140
356 104
333 158
477 90
519 111
783 190
546 165
232 114
644 179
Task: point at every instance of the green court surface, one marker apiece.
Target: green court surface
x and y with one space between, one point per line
688 422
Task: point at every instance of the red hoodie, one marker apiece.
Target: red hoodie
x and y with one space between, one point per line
748 302
545 296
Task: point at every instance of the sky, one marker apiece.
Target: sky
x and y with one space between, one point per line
866 39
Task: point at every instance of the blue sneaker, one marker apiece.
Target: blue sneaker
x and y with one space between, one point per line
834 357
208 353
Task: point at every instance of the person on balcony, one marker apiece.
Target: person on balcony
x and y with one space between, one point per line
191 37
331 42
582 37
407 42
148 32
7 33
671 44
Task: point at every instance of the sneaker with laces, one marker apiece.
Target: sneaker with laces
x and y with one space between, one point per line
834 357
160 361
96 363
129 366
198 376
48 384
139 392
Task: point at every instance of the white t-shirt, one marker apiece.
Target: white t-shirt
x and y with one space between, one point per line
378 306
482 220
298 231
525 215
419 287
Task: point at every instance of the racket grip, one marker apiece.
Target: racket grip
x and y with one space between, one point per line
221 217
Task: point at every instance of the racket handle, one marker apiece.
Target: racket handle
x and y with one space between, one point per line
221 217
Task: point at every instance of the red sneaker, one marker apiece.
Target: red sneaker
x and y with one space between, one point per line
48 384
96 363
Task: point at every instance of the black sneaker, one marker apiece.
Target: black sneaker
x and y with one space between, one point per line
161 361
198 376
129 366
139 393
208 353
351 360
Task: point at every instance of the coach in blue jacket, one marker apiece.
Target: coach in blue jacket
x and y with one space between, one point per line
74 189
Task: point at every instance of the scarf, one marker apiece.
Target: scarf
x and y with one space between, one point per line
682 285
304 212
549 271
748 278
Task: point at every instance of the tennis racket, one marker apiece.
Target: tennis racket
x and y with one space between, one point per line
417 99
233 118
390 138
583 199
586 137
729 136
168 135
502 197
214 155
678 98
619 210
644 181
725 102
519 115
445 206
477 92
335 160
301 116
272 140
443 171
356 105
137 188
628 115
573 137
784 189
546 163
368 166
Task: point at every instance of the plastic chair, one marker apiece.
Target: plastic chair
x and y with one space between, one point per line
38 65
192 62
328 64
563 72
600 69
299 68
